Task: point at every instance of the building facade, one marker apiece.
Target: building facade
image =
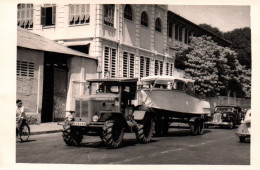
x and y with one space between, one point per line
127 40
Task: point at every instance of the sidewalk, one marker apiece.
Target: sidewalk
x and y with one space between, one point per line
43 128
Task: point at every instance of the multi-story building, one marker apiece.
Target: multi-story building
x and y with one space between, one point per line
127 40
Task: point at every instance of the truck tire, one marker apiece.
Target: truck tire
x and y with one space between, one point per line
144 130
113 132
197 128
71 136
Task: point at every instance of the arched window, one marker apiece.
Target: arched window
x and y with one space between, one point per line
144 19
128 12
158 25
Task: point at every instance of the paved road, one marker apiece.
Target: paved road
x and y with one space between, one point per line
216 147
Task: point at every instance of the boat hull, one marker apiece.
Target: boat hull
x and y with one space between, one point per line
174 101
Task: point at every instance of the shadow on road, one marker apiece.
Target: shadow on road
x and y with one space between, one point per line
181 133
101 144
26 141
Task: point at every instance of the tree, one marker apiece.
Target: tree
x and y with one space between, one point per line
215 68
241 43
211 29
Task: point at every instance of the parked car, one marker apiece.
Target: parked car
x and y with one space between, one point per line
244 130
228 116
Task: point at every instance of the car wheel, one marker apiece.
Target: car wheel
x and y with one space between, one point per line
242 138
231 125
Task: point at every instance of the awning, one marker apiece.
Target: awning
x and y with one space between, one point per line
27 39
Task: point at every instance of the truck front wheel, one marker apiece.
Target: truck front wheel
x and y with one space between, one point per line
144 130
71 136
113 132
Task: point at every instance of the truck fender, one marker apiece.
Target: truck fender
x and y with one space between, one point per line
139 114
110 115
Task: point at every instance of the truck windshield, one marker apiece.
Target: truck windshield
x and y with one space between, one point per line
104 87
224 109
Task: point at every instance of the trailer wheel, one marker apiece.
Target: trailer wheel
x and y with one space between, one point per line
161 126
200 128
71 136
194 129
144 130
113 132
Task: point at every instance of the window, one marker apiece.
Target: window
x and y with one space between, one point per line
158 25
158 67
25 15
25 69
128 65
48 15
128 12
109 15
144 66
110 61
144 19
176 32
170 30
79 14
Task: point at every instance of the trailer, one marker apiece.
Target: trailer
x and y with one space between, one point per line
170 99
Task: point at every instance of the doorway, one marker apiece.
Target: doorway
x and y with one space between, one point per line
54 87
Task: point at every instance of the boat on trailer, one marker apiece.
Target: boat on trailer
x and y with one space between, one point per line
172 99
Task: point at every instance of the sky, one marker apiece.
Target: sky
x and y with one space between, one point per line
225 18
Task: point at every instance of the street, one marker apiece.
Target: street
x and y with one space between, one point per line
215 147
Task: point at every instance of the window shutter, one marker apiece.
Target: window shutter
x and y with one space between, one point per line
156 67
18 68
43 16
171 69
113 63
31 69
147 67
125 64
141 66
106 60
167 69
161 68
72 12
54 15
132 65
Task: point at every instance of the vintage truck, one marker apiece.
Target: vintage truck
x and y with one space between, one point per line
115 106
108 112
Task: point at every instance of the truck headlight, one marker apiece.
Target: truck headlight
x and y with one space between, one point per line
224 115
95 118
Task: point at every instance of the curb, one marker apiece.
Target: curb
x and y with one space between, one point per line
45 132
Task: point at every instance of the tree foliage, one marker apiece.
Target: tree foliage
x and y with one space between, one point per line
240 42
215 68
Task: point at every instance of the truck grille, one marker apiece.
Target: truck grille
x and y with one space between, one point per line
81 108
217 118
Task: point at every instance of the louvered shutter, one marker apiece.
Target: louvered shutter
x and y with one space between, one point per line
72 12
156 67
167 69
54 15
141 66
132 65
106 60
125 64
147 67
43 16
113 62
161 68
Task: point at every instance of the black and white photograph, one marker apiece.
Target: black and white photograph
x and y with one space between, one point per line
143 85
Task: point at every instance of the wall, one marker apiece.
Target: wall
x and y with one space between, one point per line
29 90
224 100
80 70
